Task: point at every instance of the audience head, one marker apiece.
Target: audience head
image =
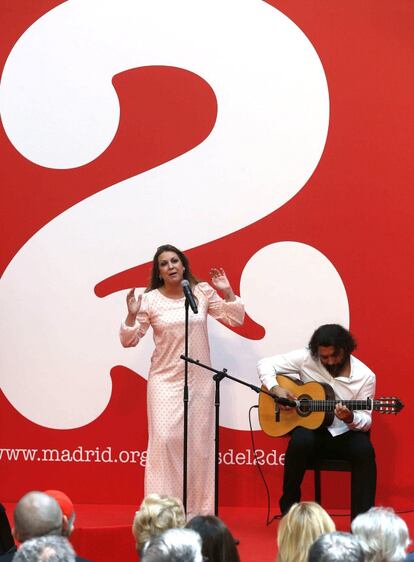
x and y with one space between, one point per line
218 542
6 536
175 545
45 549
155 515
37 514
68 511
383 534
336 547
299 528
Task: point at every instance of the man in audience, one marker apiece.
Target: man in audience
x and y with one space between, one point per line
336 547
175 545
36 515
49 548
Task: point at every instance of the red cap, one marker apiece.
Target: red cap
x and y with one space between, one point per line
63 500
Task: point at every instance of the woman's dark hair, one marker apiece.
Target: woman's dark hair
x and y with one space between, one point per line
155 281
218 542
332 335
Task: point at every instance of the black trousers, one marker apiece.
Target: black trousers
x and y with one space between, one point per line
354 446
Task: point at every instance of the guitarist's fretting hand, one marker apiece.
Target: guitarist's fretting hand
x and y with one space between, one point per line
283 393
343 413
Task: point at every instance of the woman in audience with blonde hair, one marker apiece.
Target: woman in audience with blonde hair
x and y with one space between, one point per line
299 528
155 515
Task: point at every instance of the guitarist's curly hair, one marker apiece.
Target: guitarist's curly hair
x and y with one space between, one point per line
332 335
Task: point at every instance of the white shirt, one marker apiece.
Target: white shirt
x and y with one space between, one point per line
300 364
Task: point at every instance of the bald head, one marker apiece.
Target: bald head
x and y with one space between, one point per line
37 514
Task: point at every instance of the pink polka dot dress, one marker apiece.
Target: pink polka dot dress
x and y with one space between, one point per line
164 468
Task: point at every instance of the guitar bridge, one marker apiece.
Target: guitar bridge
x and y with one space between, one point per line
277 412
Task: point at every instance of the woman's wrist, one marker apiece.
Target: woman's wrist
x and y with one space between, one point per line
130 320
229 295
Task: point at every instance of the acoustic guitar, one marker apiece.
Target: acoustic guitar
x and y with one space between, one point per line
315 407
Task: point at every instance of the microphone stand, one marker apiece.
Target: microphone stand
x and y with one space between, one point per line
218 377
185 400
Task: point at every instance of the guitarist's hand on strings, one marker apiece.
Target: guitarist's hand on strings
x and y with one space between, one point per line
283 393
343 413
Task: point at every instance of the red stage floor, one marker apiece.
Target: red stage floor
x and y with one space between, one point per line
103 532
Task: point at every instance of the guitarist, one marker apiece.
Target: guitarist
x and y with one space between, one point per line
328 359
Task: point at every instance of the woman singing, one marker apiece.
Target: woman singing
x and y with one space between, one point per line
162 307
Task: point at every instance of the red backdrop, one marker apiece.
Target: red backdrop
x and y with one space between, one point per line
356 209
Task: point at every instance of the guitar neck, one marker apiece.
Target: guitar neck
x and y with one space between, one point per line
329 405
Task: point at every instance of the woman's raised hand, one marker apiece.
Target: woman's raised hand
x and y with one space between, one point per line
221 283
133 304
219 279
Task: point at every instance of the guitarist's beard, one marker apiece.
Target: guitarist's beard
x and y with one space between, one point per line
336 370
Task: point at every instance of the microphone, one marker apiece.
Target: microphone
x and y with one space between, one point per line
189 295
286 402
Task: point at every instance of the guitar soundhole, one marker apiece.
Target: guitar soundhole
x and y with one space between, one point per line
305 405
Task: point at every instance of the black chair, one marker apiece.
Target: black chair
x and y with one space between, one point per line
319 465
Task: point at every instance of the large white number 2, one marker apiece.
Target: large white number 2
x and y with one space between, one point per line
60 110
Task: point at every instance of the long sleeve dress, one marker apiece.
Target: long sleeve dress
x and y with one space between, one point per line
164 466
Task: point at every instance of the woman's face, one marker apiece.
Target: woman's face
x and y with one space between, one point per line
171 268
